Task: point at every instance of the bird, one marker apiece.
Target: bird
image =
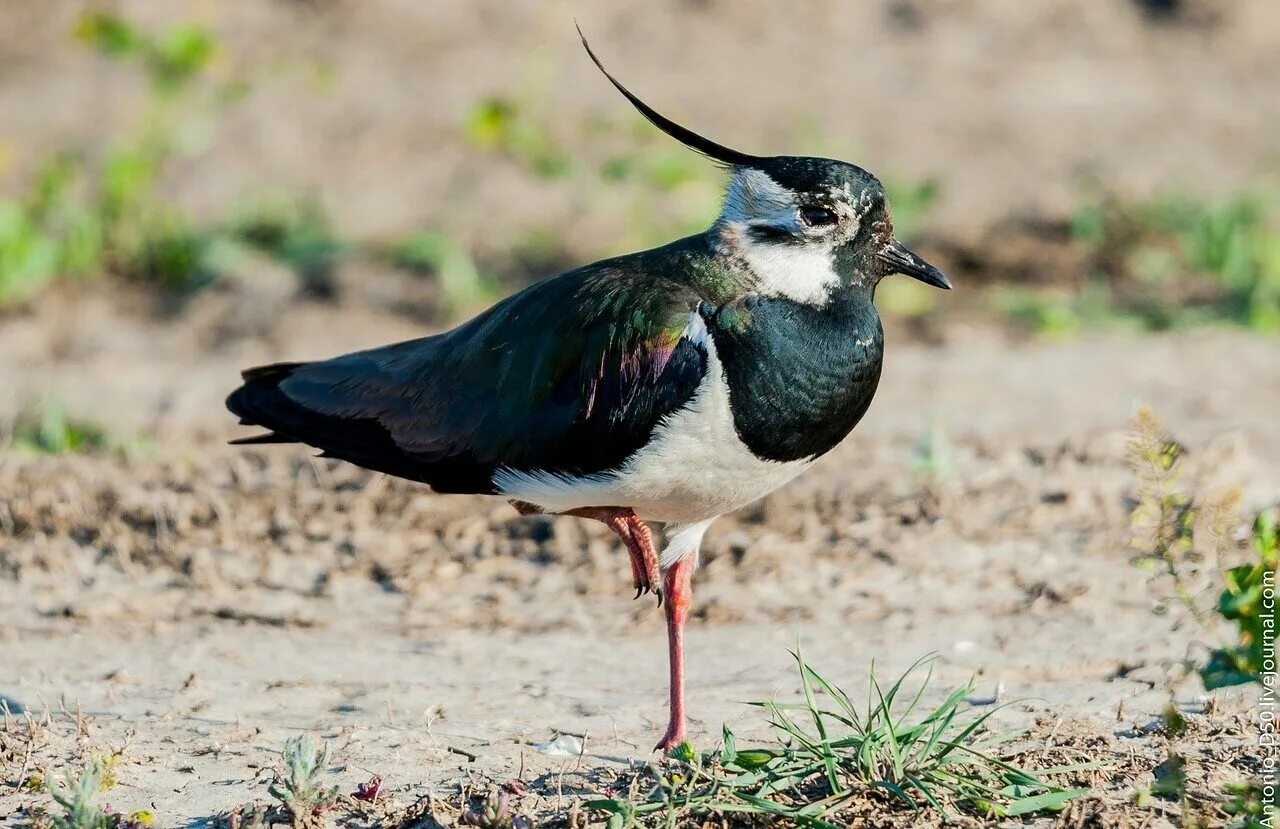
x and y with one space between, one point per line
669 386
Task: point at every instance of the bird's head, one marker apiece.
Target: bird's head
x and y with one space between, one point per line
803 227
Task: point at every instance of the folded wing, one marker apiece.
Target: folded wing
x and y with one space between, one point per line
570 375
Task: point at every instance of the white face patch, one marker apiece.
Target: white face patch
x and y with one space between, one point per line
803 269
803 273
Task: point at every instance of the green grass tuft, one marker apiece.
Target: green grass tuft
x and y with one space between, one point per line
829 752
85 217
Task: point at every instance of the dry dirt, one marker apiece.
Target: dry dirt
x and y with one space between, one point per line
200 603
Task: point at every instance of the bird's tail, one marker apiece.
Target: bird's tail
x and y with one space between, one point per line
259 402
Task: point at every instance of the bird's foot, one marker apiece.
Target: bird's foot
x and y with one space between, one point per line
645 575
641 552
673 739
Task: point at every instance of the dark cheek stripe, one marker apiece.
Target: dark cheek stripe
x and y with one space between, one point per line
771 234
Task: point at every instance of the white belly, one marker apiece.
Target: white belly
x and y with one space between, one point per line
693 468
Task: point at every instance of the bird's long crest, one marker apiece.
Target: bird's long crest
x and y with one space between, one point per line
684 135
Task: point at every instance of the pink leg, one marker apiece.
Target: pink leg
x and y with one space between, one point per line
678 586
641 550
633 532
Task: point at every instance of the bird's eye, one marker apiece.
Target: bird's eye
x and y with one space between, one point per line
817 216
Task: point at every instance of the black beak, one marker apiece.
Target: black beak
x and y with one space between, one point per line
901 260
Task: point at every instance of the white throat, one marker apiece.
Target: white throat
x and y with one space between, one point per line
803 272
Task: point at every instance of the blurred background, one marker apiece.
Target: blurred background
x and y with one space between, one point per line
178 179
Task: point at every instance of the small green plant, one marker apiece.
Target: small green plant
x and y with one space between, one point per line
296 233
1169 530
501 125
51 431
81 218
1241 603
50 231
934 457
171 58
143 236
1170 778
300 789
78 797
1057 313
495 813
830 752
1246 804
661 168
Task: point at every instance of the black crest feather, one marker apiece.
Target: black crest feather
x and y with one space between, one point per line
684 135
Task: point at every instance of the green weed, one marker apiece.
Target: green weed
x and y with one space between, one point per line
1171 532
51 431
296 233
1170 262
1174 533
658 167
495 813
933 458
1241 603
1246 804
81 218
171 58
77 794
1057 313
48 232
299 789
502 125
830 752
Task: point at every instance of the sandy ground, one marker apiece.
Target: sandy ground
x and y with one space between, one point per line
201 603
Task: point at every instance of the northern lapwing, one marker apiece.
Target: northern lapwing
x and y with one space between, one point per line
672 385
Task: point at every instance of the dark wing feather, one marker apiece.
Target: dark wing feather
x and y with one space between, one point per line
570 375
